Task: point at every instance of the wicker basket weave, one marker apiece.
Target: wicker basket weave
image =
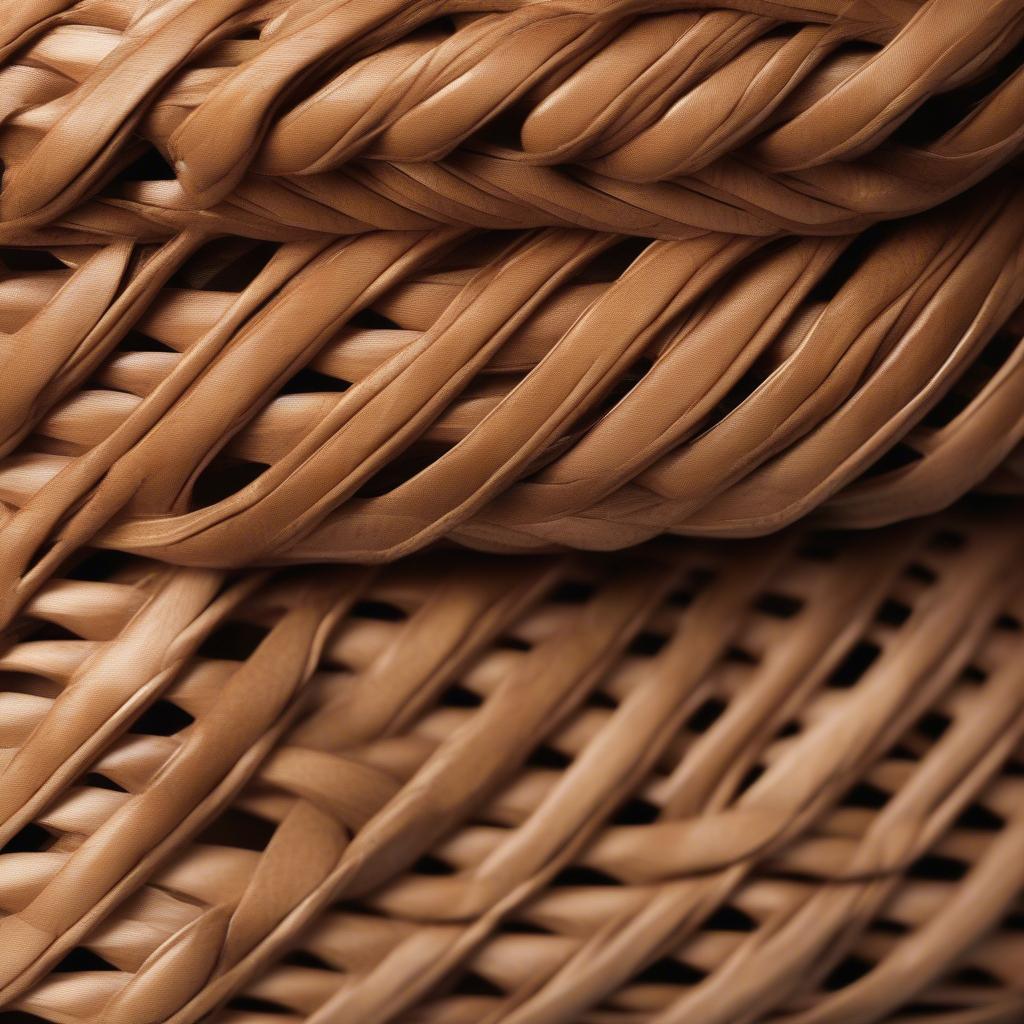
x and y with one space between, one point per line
303 300
213 355
359 400
708 782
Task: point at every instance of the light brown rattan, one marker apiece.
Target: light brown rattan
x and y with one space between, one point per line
705 782
300 281
354 401
661 118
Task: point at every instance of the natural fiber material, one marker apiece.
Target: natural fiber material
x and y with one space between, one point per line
286 282
290 120
707 782
358 400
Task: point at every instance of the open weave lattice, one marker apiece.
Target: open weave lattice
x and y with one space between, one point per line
355 400
286 120
709 783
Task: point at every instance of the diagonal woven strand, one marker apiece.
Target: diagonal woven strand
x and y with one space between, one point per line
209 403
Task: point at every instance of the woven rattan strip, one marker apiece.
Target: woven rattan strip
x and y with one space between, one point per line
707 782
240 402
662 118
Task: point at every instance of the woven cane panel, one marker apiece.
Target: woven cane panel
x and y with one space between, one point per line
661 118
708 782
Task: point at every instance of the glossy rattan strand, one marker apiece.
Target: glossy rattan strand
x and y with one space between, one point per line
660 118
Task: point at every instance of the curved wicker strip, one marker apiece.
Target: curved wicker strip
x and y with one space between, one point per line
711 783
289 120
223 404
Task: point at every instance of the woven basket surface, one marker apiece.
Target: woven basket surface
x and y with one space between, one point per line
708 782
511 511
295 281
240 402
662 118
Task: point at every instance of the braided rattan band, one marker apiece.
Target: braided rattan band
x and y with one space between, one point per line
357 401
712 782
660 118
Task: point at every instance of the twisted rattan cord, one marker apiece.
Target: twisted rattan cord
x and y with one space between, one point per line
788 775
517 394
287 120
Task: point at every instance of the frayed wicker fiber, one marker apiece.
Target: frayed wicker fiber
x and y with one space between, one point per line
661 118
708 782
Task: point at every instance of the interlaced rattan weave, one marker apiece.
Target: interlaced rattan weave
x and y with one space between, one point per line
284 120
237 401
706 782
286 282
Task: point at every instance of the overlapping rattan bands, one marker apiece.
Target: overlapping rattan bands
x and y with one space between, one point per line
286 282
359 400
707 782
658 118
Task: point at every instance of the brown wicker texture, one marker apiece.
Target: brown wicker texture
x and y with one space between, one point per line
247 402
661 118
300 281
709 782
